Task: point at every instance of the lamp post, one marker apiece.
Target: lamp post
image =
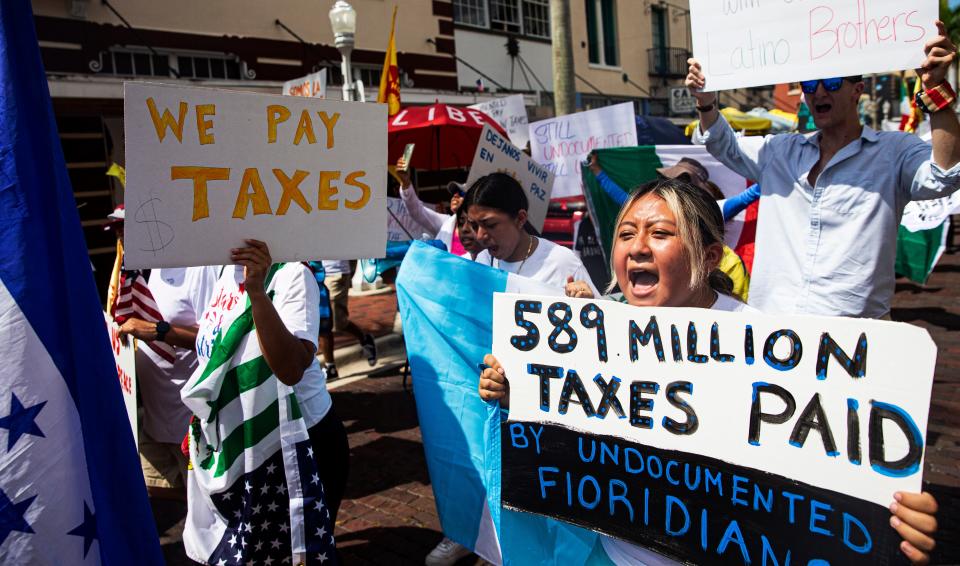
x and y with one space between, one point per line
343 20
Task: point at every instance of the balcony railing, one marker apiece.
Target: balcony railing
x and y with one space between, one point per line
667 61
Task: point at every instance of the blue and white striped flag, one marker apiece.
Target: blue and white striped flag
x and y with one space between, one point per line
446 304
71 489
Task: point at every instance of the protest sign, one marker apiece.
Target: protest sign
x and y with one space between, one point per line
744 43
511 113
495 154
400 225
312 86
124 355
712 436
561 143
207 169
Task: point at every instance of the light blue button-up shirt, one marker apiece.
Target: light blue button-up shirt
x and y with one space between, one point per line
830 248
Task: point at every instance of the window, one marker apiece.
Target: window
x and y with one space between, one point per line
505 15
140 62
658 17
536 18
524 17
602 32
470 12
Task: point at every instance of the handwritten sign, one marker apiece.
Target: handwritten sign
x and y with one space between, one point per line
711 436
208 168
929 214
511 113
561 143
495 154
124 354
311 86
400 225
744 43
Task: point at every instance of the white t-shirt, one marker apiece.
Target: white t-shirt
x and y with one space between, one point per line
181 294
549 263
623 552
297 300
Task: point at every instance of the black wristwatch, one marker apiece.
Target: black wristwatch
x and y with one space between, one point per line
162 328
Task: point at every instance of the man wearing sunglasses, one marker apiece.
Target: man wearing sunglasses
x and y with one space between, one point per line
832 200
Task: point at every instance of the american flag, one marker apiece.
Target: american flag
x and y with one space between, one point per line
134 300
257 507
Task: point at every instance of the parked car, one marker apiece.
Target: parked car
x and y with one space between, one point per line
563 214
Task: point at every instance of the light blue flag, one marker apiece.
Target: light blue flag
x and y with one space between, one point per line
446 304
71 489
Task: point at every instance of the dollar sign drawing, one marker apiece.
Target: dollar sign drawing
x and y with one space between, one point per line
160 233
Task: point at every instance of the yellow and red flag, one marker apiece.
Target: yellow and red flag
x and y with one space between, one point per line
390 77
909 121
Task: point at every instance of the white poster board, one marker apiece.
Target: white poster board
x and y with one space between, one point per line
207 169
400 225
124 355
495 154
313 85
744 43
511 113
619 404
561 144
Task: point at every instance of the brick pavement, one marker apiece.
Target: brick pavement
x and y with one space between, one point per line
374 313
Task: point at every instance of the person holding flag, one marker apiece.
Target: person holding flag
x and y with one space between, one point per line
71 491
268 454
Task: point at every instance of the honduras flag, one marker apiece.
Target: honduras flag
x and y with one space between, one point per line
71 489
446 304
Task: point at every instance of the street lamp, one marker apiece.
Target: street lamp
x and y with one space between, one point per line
343 20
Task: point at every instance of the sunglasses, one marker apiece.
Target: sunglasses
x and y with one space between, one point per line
830 85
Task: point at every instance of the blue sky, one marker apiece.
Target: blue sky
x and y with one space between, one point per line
954 3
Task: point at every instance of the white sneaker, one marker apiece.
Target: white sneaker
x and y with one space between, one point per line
446 553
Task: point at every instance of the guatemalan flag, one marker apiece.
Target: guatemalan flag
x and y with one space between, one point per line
71 489
446 303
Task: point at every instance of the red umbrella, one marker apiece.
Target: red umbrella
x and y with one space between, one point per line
445 136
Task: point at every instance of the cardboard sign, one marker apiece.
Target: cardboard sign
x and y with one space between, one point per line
681 101
124 354
207 169
711 436
495 154
399 223
561 143
511 113
744 43
311 86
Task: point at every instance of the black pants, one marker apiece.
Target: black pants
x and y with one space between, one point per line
332 454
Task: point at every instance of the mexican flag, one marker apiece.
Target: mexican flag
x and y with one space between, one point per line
922 236
630 167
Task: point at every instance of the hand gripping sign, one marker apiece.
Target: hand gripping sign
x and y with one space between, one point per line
713 437
208 168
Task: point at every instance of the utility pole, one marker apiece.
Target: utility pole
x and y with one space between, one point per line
564 91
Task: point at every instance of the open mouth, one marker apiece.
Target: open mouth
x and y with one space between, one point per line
642 282
822 108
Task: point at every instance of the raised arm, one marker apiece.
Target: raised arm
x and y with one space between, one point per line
737 203
421 213
941 53
715 132
612 189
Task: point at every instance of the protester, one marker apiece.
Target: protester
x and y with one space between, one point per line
495 207
833 199
442 226
667 247
162 311
338 277
468 238
283 302
692 171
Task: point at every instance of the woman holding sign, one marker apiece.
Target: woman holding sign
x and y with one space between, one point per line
265 444
667 246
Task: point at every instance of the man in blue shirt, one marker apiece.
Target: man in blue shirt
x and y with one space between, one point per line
832 200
